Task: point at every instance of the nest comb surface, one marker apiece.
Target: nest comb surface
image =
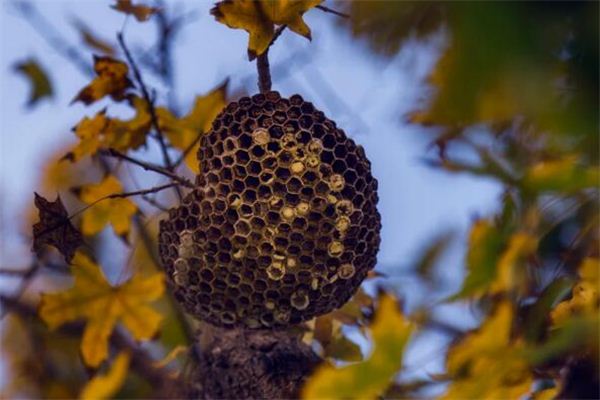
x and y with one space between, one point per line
282 225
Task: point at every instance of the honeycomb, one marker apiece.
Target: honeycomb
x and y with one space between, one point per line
282 225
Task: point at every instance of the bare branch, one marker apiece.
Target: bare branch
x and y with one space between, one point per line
149 167
151 109
332 11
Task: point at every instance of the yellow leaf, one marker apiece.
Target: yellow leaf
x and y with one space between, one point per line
93 299
510 273
486 364
585 298
102 132
38 80
107 385
111 80
183 132
117 212
259 18
140 12
367 380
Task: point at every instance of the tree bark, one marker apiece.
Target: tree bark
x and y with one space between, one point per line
245 364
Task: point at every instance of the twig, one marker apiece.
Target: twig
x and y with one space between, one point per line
149 167
154 203
262 64
332 11
117 196
151 109
141 192
264 74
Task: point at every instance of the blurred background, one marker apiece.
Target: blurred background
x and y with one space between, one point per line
370 73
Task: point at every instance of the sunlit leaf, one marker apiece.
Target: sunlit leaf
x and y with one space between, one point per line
184 132
103 132
487 363
117 211
55 228
259 18
105 386
139 11
390 332
102 306
111 80
41 87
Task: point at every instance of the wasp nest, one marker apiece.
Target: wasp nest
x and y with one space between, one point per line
282 225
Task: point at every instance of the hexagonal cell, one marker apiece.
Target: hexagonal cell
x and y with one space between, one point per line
276 131
242 157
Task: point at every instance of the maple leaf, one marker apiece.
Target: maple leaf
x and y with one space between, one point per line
102 306
55 228
140 12
105 386
111 80
259 18
117 211
183 132
102 132
38 79
367 380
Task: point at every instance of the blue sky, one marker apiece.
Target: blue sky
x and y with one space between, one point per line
367 95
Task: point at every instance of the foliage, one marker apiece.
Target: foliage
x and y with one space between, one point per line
366 380
513 97
259 18
102 305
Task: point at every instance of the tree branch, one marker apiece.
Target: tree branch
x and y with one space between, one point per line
332 11
149 167
151 109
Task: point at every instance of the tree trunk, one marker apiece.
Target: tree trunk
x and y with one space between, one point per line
248 364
